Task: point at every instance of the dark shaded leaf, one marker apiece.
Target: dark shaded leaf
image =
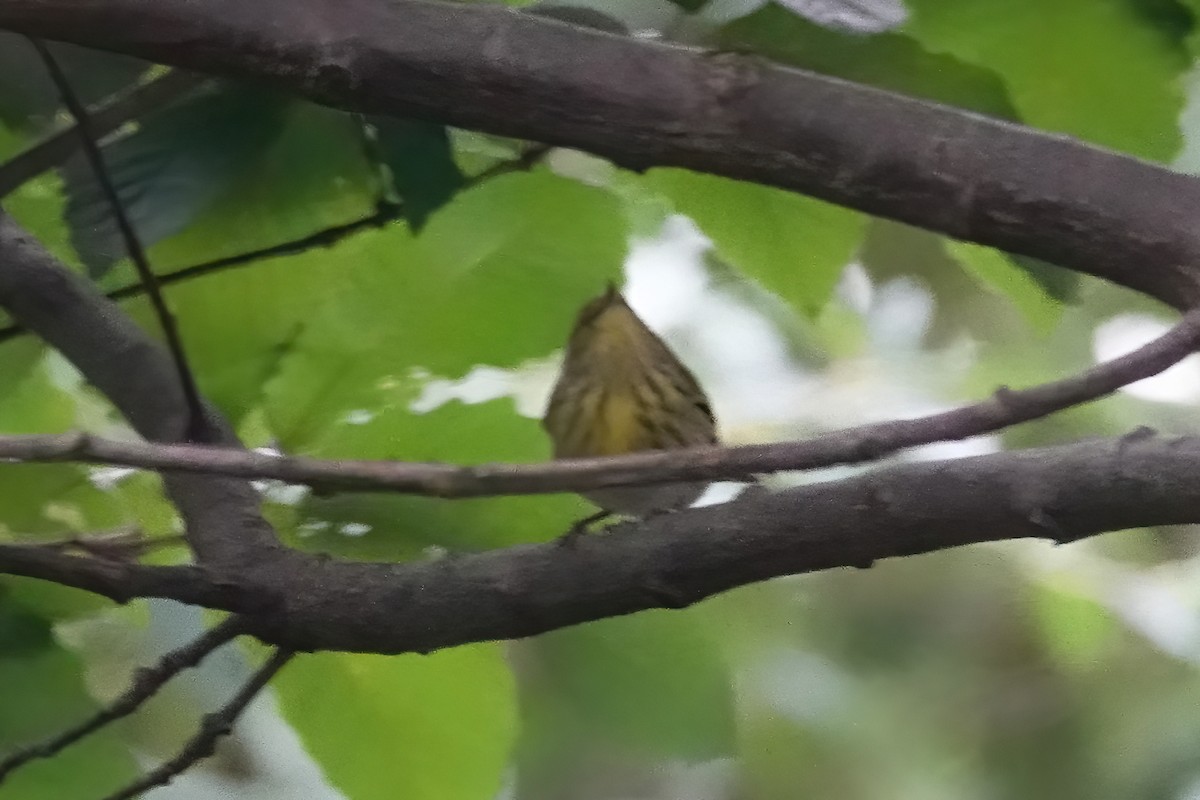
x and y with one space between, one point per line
170 169
421 161
28 98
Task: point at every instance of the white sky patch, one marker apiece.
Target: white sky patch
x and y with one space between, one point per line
107 478
286 494
799 686
1126 332
312 527
1188 159
358 416
852 16
855 288
528 385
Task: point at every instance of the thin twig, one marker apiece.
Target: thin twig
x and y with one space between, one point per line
106 117
213 727
849 446
118 545
198 421
146 682
385 212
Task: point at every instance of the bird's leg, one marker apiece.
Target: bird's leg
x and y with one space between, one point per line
580 527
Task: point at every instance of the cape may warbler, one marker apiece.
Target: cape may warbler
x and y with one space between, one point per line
622 390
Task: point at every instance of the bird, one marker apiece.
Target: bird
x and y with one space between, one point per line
621 390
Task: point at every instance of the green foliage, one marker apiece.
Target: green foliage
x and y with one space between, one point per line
469 291
421 163
654 682
795 246
170 169
1067 82
967 674
43 694
1001 274
28 98
896 61
436 727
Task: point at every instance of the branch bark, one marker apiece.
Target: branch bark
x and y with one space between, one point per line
307 603
849 446
139 377
643 104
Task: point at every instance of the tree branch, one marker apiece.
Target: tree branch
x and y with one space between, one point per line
146 683
309 603
212 728
869 442
138 377
122 581
114 112
197 427
642 104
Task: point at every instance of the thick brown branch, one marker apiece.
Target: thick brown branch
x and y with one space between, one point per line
146 683
643 104
138 377
122 581
852 445
303 602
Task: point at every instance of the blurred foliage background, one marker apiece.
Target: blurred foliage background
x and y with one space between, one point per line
433 331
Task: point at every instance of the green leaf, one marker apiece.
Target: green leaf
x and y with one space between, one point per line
22 378
44 693
421 162
170 169
396 527
793 245
495 278
895 61
237 322
53 499
1065 62
653 681
29 98
1192 8
999 273
436 727
1076 630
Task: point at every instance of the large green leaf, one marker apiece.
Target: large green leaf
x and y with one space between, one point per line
654 681
436 727
170 169
236 322
1102 70
44 693
893 61
992 268
495 278
793 245
393 527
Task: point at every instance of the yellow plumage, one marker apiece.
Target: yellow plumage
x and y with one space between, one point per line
622 390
